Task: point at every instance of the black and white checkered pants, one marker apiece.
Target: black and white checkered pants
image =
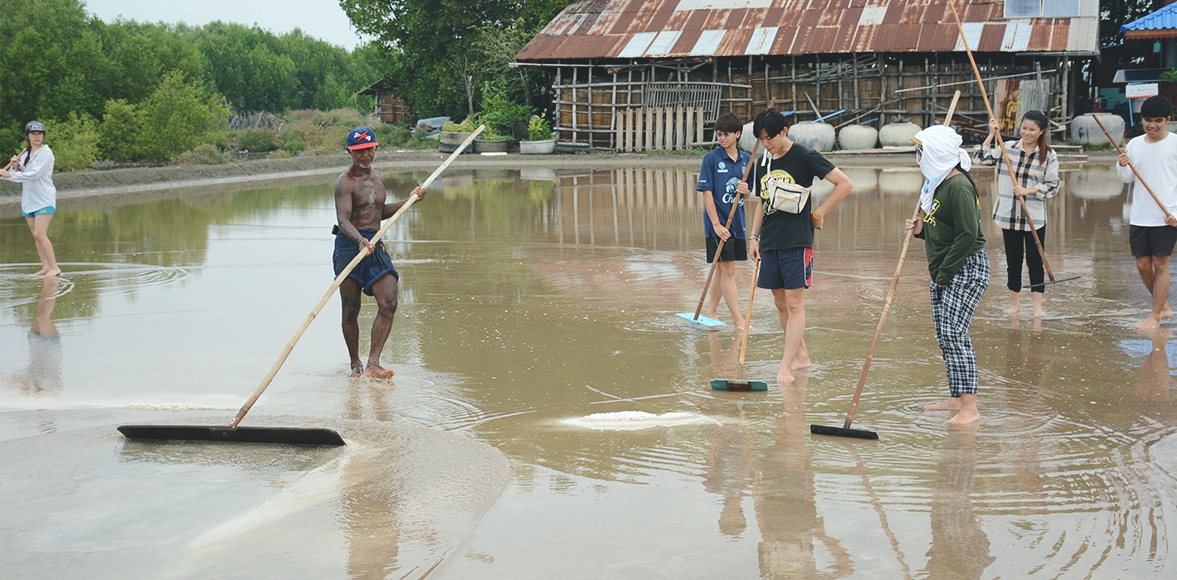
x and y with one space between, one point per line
952 312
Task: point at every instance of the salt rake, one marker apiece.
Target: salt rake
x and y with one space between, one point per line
696 317
283 435
739 383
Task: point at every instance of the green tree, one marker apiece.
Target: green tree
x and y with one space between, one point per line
434 40
177 117
74 142
1115 13
118 133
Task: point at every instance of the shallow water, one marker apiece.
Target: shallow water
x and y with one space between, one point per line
551 415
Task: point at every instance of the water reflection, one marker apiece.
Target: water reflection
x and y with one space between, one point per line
43 373
960 547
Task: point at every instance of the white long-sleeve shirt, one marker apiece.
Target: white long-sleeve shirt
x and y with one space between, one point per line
1157 164
36 175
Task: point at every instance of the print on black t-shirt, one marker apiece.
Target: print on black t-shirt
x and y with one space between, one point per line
782 230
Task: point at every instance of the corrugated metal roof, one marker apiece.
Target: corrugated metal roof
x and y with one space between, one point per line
1159 24
606 29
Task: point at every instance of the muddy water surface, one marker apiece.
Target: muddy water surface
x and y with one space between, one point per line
551 415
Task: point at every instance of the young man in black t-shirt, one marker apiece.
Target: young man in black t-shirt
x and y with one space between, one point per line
783 239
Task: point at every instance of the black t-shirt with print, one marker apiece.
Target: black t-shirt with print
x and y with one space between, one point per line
781 230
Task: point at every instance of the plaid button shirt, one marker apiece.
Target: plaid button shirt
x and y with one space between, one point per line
1007 212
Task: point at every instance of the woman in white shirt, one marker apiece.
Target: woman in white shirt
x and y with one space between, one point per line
33 168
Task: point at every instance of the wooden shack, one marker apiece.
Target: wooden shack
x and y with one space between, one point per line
847 61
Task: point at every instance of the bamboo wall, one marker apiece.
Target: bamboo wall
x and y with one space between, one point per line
866 87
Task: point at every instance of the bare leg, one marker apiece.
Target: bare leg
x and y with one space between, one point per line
39 227
791 311
727 283
1038 311
349 295
714 293
1154 272
1015 303
384 290
968 411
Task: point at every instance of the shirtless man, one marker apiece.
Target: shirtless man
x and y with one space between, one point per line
359 208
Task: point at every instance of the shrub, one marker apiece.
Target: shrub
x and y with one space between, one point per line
118 133
206 154
538 129
74 142
467 126
392 135
177 117
258 140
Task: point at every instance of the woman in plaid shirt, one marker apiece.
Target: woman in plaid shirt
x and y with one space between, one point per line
1036 166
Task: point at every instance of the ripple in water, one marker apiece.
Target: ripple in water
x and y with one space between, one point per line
105 278
637 420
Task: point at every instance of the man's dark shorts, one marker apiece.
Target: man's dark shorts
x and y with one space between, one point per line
1151 241
790 269
734 250
372 268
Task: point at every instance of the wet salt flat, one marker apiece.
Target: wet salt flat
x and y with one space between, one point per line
551 416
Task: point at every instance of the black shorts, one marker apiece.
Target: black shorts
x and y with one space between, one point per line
734 250
1151 240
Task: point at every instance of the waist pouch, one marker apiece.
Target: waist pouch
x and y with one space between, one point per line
787 197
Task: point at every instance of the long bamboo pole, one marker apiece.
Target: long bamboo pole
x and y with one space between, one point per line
1001 143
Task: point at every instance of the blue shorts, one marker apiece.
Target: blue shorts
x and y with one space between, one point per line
789 269
371 269
47 210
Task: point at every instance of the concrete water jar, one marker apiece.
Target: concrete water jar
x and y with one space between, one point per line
537 147
449 141
816 136
1084 130
898 134
858 137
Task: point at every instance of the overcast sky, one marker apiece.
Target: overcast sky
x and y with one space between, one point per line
319 18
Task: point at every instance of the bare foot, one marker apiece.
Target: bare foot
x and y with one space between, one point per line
41 272
783 376
1039 313
378 372
357 369
53 272
801 361
1014 309
965 417
1167 312
949 405
1150 323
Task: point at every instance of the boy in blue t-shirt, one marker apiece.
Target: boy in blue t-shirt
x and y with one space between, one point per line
721 183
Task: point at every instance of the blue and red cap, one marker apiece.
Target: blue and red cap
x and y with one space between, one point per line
361 138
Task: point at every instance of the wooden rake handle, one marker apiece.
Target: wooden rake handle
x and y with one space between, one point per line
1000 142
748 318
870 353
730 216
341 277
1134 171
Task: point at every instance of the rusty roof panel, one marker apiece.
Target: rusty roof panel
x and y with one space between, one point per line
605 28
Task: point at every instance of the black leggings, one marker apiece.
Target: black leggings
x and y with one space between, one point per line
1017 244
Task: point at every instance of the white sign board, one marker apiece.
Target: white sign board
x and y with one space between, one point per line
1142 90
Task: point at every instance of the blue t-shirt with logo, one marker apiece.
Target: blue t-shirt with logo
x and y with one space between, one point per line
720 175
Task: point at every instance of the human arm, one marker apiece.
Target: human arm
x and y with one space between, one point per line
754 227
1123 165
391 208
1048 188
988 153
842 187
713 215
36 168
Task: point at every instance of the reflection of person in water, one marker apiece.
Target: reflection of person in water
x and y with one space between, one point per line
784 500
1155 377
44 370
960 548
731 448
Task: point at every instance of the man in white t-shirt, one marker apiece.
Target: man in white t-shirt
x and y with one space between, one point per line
1152 230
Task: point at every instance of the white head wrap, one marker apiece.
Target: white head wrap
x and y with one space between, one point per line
941 154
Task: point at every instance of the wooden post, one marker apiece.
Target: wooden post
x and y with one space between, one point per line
574 125
678 128
621 128
699 126
649 142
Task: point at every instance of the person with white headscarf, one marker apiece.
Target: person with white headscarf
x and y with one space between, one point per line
957 262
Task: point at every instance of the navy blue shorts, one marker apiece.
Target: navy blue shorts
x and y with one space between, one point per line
734 250
371 269
789 269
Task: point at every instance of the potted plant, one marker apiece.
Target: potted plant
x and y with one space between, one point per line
505 116
453 134
489 141
539 138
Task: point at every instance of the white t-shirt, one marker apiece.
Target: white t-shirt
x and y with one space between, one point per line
37 176
1157 165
